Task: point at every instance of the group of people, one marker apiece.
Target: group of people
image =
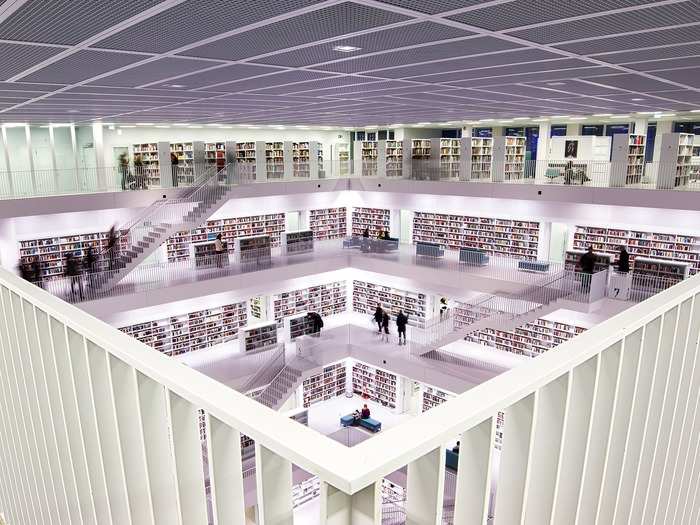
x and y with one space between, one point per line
588 260
136 180
382 235
381 317
360 414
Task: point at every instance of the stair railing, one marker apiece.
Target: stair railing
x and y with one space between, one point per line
268 371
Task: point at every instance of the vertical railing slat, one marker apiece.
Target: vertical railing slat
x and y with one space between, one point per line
652 427
108 433
189 466
273 477
155 418
548 429
629 372
425 484
58 502
515 459
225 473
638 417
60 431
29 488
669 432
10 449
579 408
473 488
599 431
133 447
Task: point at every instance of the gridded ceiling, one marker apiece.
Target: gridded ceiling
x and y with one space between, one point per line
259 62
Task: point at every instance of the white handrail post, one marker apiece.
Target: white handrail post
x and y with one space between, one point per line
273 477
424 489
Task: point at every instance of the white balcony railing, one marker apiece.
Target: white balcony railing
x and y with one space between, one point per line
98 428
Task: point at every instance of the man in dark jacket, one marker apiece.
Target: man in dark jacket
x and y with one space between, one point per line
401 322
623 262
587 263
378 314
72 271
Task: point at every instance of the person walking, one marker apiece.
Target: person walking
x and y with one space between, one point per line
443 307
174 161
401 322
385 326
378 315
587 263
112 247
89 264
140 173
623 262
124 171
219 251
37 274
72 271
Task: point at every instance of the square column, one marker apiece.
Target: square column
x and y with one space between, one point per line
274 487
361 508
425 487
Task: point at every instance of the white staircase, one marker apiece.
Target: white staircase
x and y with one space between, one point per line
144 234
281 387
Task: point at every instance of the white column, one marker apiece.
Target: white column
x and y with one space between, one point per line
573 129
640 126
662 127
76 163
274 487
98 139
474 474
6 151
52 145
28 139
424 490
467 131
361 508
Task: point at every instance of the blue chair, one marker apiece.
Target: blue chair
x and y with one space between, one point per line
346 421
552 173
371 424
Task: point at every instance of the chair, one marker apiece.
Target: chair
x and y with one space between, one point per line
552 173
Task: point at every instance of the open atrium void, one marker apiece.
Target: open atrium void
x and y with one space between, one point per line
349 262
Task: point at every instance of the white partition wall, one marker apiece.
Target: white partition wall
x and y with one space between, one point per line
95 427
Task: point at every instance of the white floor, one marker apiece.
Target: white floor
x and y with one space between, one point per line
324 417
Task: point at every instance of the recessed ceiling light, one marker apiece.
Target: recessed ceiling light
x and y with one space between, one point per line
602 114
579 118
487 120
163 127
646 112
123 126
540 120
521 118
695 110
144 123
620 116
556 83
346 49
177 85
636 99
560 116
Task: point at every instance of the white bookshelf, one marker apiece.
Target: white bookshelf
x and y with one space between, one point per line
369 153
325 385
328 223
663 247
572 260
449 158
675 160
184 151
191 331
301 241
504 237
215 154
258 336
476 156
432 397
274 160
421 149
326 299
394 158
151 156
296 326
375 384
530 339
627 162
375 219
52 251
513 157
253 249
366 296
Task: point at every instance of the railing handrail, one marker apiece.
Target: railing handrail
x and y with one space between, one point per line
279 355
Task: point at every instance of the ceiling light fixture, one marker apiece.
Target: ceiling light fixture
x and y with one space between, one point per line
540 120
620 116
144 123
636 99
560 116
579 118
602 114
695 110
659 115
556 83
177 85
486 120
521 118
346 49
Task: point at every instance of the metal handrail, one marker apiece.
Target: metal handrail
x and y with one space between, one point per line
257 378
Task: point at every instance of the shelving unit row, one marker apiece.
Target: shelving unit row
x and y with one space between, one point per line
326 299
329 383
328 223
375 384
376 220
366 296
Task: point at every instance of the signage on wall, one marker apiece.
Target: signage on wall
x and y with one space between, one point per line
570 149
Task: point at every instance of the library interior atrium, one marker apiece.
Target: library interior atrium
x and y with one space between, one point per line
349 262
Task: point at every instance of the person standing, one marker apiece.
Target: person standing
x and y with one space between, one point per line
174 161
37 274
139 172
219 251
89 263
401 322
587 263
378 315
385 326
623 262
443 307
72 271
124 170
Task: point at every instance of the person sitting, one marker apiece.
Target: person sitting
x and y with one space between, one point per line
365 412
356 416
455 449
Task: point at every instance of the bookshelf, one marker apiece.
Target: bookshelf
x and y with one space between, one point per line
215 154
394 158
257 336
663 247
253 249
449 158
369 152
191 331
184 152
433 397
326 299
675 160
325 385
508 158
466 314
274 160
650 267
52 251
504 237
476 158
328 223
272 224
627 161
530 339
297 242
296 326
572 260
375 384
150 157
257 307
300 159
376 219
420 149
342 153
366 296
204 255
